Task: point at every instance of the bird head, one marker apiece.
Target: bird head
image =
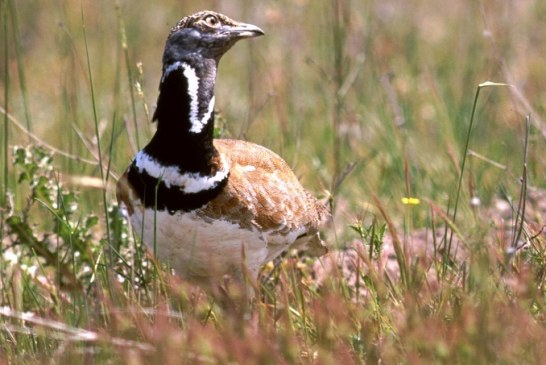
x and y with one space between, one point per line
205 35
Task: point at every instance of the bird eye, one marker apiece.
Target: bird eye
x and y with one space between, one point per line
211 20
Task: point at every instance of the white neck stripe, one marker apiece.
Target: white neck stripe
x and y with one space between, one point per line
197 124
193 87
189 182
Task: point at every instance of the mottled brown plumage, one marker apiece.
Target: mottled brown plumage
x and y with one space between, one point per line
262 192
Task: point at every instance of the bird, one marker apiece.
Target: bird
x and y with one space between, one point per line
207 207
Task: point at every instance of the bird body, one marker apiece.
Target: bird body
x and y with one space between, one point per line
211 207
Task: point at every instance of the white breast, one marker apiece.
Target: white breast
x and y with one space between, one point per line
197 249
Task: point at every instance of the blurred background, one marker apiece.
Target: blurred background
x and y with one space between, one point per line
369 101
386 84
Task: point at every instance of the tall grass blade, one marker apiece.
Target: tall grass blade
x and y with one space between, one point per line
5 139
339 29
97 135
20 66
464 157
520 214
130 78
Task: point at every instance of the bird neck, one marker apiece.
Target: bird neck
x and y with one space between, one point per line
185 116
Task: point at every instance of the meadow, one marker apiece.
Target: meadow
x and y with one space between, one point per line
422 123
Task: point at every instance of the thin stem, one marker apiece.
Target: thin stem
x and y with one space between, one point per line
520 214
130 78
6 119
4 198
338 34
465 154
20 66
97 135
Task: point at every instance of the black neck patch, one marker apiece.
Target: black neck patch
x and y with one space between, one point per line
153 193
173 144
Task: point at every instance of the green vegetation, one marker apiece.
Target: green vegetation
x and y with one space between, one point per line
436 179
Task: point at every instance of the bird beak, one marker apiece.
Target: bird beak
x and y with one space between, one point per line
243 30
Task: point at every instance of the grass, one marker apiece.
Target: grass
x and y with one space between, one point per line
369 102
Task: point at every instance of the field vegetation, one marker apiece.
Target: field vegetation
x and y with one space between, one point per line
422 122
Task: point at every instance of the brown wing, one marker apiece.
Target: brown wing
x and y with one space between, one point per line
263 192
